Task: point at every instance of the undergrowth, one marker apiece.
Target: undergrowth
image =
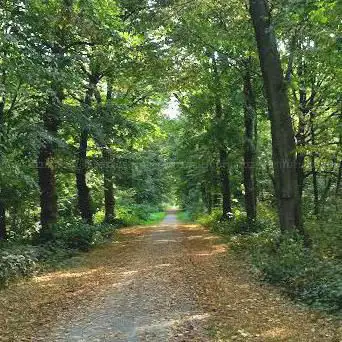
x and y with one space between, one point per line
313 275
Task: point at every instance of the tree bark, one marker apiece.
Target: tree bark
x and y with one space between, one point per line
225 185
283 142
339 180
108 185
83 192
207 196
249 149
3 231
108 177
223 154
300 137
313 167
46 168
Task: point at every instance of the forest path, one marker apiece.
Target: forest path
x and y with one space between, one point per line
170 282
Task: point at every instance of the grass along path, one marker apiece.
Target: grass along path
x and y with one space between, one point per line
170 281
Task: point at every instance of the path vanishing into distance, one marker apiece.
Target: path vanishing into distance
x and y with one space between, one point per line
168 282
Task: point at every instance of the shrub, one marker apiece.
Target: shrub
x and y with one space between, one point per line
68 237
312 275
300 272
209 220
74 235
15 264
283 260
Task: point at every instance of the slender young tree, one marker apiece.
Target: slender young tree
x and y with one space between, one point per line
249 146
222 149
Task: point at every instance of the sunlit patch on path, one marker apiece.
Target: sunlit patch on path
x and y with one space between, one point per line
168 282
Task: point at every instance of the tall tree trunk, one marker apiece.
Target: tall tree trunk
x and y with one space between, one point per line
305 107
283 142
83 192
300 162
339 180
315 184
249 149
225 185
207 197
46 168
3 231
108 185
223 154
313 167
338 190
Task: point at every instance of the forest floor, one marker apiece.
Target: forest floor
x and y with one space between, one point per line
168 282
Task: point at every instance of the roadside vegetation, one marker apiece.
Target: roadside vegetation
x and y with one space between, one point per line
309 275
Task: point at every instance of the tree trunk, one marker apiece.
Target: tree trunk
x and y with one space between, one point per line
305 108
300 174
315 184
83 192
3 231
313 167
283 142
108 187
249 149
46 169
225 185
84 202
206 195
300 162
223 154
339 172
108 183
339 180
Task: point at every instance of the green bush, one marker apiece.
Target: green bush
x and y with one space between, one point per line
75 235
16 263
136 214
238 224
209 220
283 260
300 272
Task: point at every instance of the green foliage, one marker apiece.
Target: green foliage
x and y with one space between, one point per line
239 223
155 217
326 235
184 216
15 263
23 260
136 214
75 235
313 276
301 274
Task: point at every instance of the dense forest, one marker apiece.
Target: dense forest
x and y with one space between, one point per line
231 110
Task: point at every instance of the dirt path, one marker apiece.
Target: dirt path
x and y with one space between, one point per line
161 283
